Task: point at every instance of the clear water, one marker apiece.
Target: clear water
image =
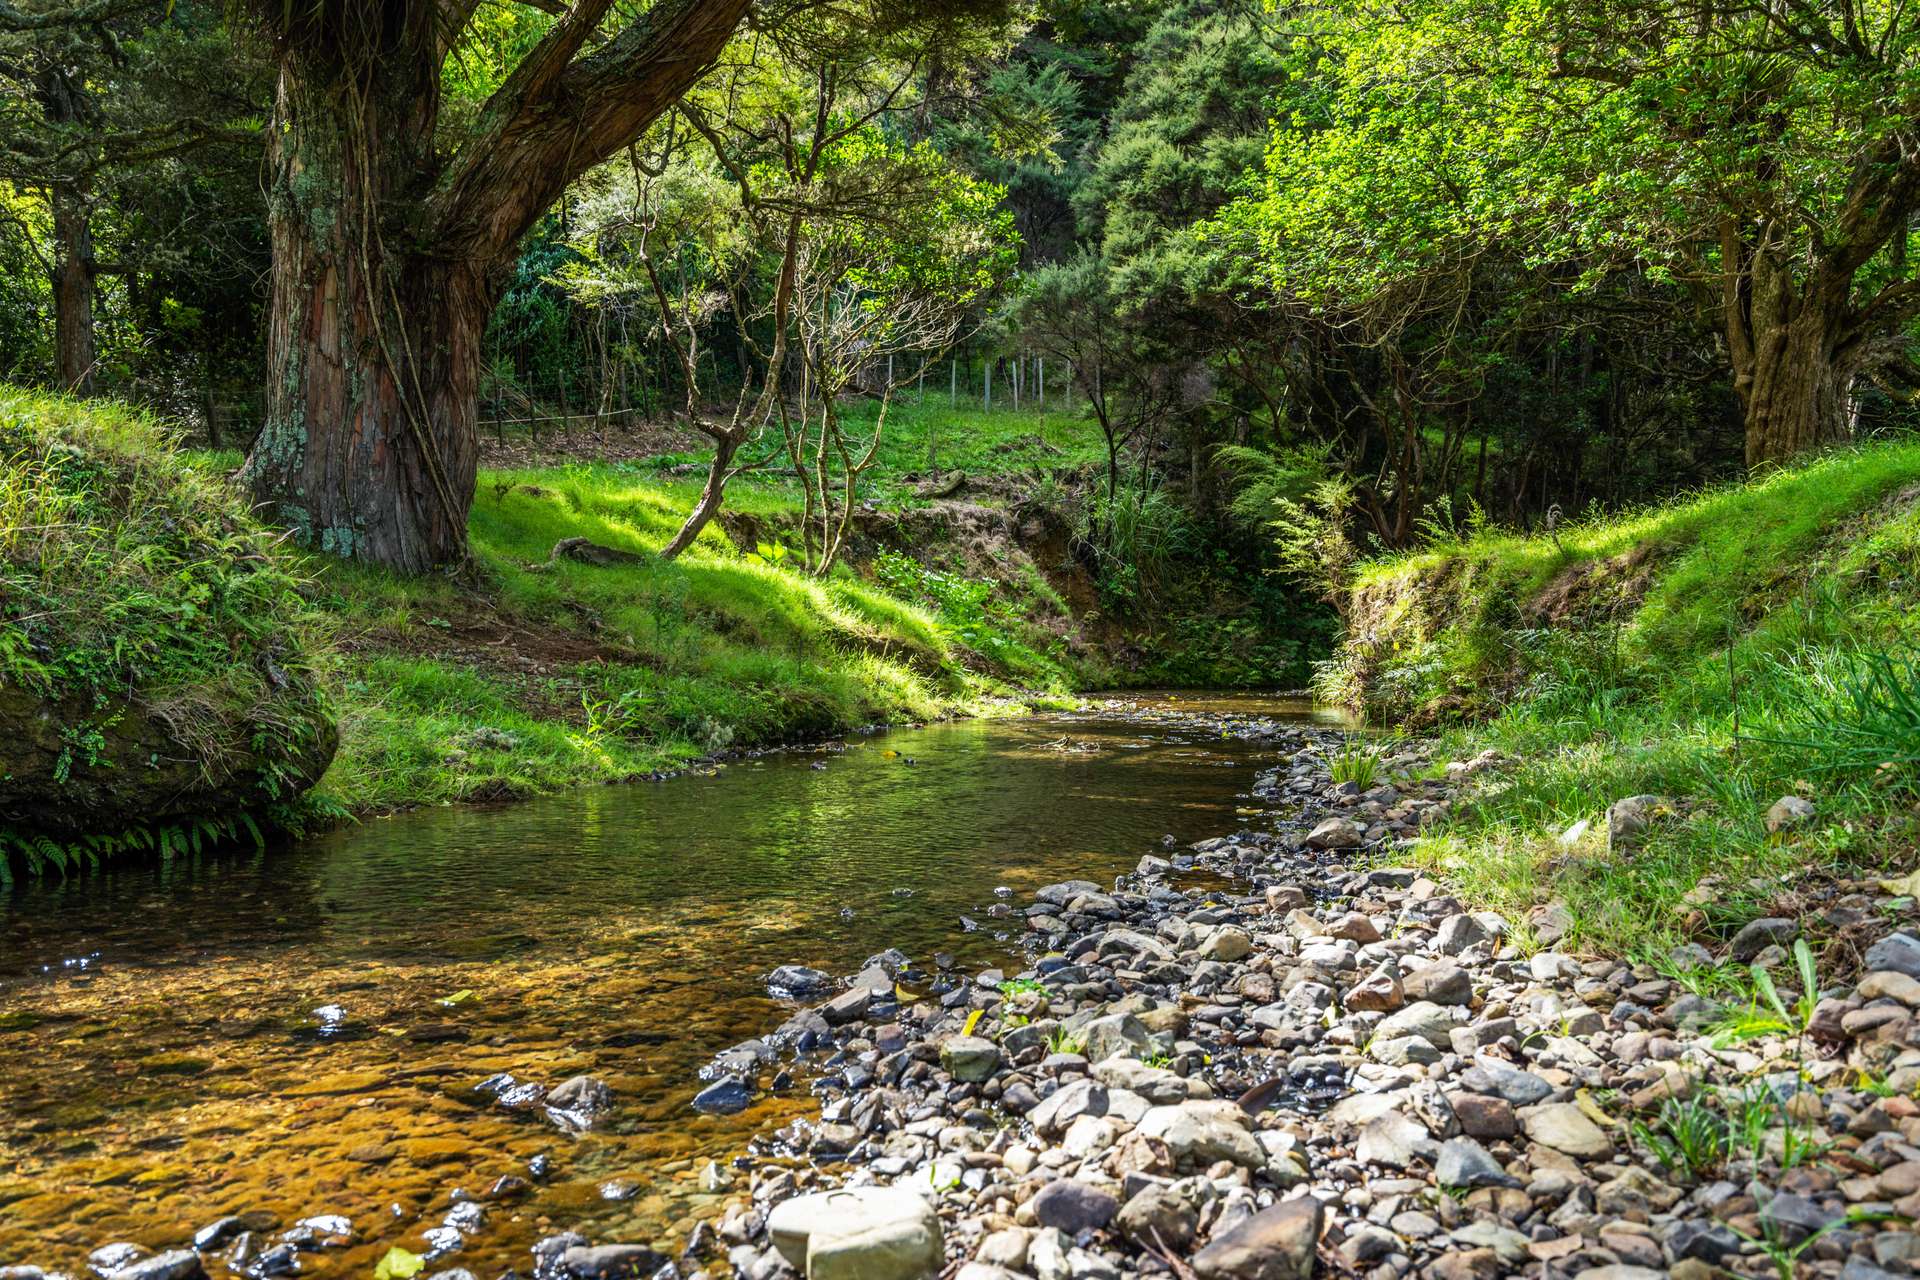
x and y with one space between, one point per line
162 1063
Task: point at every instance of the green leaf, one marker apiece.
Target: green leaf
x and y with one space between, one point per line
399 1265
1764 981
458 997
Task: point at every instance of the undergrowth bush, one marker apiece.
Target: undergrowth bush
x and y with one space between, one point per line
1137 534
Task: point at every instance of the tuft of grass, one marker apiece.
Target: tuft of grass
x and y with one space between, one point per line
1355 761
1689 1136
1061 1040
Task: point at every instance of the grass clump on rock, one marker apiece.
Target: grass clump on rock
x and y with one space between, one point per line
156 661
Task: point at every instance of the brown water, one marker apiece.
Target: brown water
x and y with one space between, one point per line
162 1064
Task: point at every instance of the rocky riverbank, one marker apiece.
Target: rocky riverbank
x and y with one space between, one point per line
1282 1053
1326 1064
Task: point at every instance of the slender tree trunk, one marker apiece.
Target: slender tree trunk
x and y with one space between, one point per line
724 447
216 436
73 273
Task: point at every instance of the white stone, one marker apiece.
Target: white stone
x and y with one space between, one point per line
1199 1133
858 1233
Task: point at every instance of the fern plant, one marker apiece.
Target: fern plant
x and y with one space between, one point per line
37 852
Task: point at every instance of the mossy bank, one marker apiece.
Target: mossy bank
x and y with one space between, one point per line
157 658
1719 653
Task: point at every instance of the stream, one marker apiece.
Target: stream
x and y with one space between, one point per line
299 1032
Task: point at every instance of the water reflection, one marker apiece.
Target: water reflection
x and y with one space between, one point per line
622 931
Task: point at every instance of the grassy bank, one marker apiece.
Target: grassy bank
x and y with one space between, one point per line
547 672
537 671
1721 651
159 667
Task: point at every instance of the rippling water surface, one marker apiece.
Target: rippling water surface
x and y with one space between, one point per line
162 1063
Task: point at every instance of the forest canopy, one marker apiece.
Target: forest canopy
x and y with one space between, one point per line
1344 272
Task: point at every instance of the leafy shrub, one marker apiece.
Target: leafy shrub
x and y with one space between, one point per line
965 604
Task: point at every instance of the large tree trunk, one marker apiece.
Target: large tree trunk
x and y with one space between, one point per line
73 273
390 246
1796 396
1791 337
369 447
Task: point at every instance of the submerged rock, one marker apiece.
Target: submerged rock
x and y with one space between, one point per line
724 1097
612 1261
175 1264
798 982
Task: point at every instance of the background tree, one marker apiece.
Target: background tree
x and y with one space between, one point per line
1764 160
139 114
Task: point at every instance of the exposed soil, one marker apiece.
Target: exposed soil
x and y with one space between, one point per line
585 439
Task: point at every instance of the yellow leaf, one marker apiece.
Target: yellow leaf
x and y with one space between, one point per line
458 997
1591 1109
973 1020
399 1265
1907 886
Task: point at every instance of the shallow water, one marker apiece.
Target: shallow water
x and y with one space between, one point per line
162 1063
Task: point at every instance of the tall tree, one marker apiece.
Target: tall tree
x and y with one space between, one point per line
1765 157
395 227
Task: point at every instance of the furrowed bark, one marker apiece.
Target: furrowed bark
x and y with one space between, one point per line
73 275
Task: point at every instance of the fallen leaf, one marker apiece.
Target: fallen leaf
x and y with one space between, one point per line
1907 886
1591 1109
399 1265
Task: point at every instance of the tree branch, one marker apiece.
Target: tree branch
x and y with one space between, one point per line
557 116
14 19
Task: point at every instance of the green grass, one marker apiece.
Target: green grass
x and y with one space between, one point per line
642 665
1724 650
924 433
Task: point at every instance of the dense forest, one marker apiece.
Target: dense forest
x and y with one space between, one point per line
1239 639
1386 267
